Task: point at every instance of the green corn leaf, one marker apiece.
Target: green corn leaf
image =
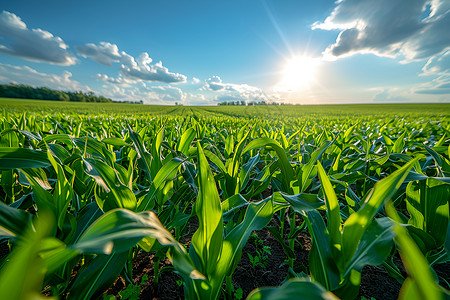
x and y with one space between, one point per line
424 241
215 160
156 163
99 275
399 143
114 141
13 222
59 152
333 213
256 217
207 240
42 198
143 155
357 223
22 158
63 193
233 168
322 266
111 192
293 289
428 205
307 169
374 247
60 138
185 141
233 203
274 231
244 175
300 203
161 177
85 218
55 254
286 169
229 146
38 175
437 159
96 149
22 276
420 283
120 229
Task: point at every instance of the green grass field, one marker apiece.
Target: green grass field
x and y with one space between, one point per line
227 202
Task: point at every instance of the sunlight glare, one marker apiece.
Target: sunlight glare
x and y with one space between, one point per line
299 72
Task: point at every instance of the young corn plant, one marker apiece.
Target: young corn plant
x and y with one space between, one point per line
340 251
214 254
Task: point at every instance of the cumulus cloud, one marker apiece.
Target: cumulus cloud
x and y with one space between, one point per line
414 29
143 70
34 45
215 83
108 79
165 94
104 53
232 91
137 69
122 89
29 76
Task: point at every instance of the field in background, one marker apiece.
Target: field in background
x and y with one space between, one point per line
433 110
165 202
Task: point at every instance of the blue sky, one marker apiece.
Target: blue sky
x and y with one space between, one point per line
205 52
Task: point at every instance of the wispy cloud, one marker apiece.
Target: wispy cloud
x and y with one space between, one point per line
389 95
34 45
29 76
438 86
438 64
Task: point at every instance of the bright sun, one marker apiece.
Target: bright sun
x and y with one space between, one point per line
299 72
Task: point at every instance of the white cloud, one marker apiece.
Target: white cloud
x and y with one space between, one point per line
143 70
121 89
215 84
132 69
232 91
438 64
165 94
104 54
389 95
413 29
197 99
108 79
34 45
29 76
438 86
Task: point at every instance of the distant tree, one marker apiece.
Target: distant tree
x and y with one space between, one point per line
43 93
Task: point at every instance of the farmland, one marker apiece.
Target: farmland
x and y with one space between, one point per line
265 202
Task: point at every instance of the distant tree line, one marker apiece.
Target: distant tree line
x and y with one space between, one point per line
43 93
129 101
251 103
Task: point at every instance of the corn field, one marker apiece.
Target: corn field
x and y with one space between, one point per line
84 190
